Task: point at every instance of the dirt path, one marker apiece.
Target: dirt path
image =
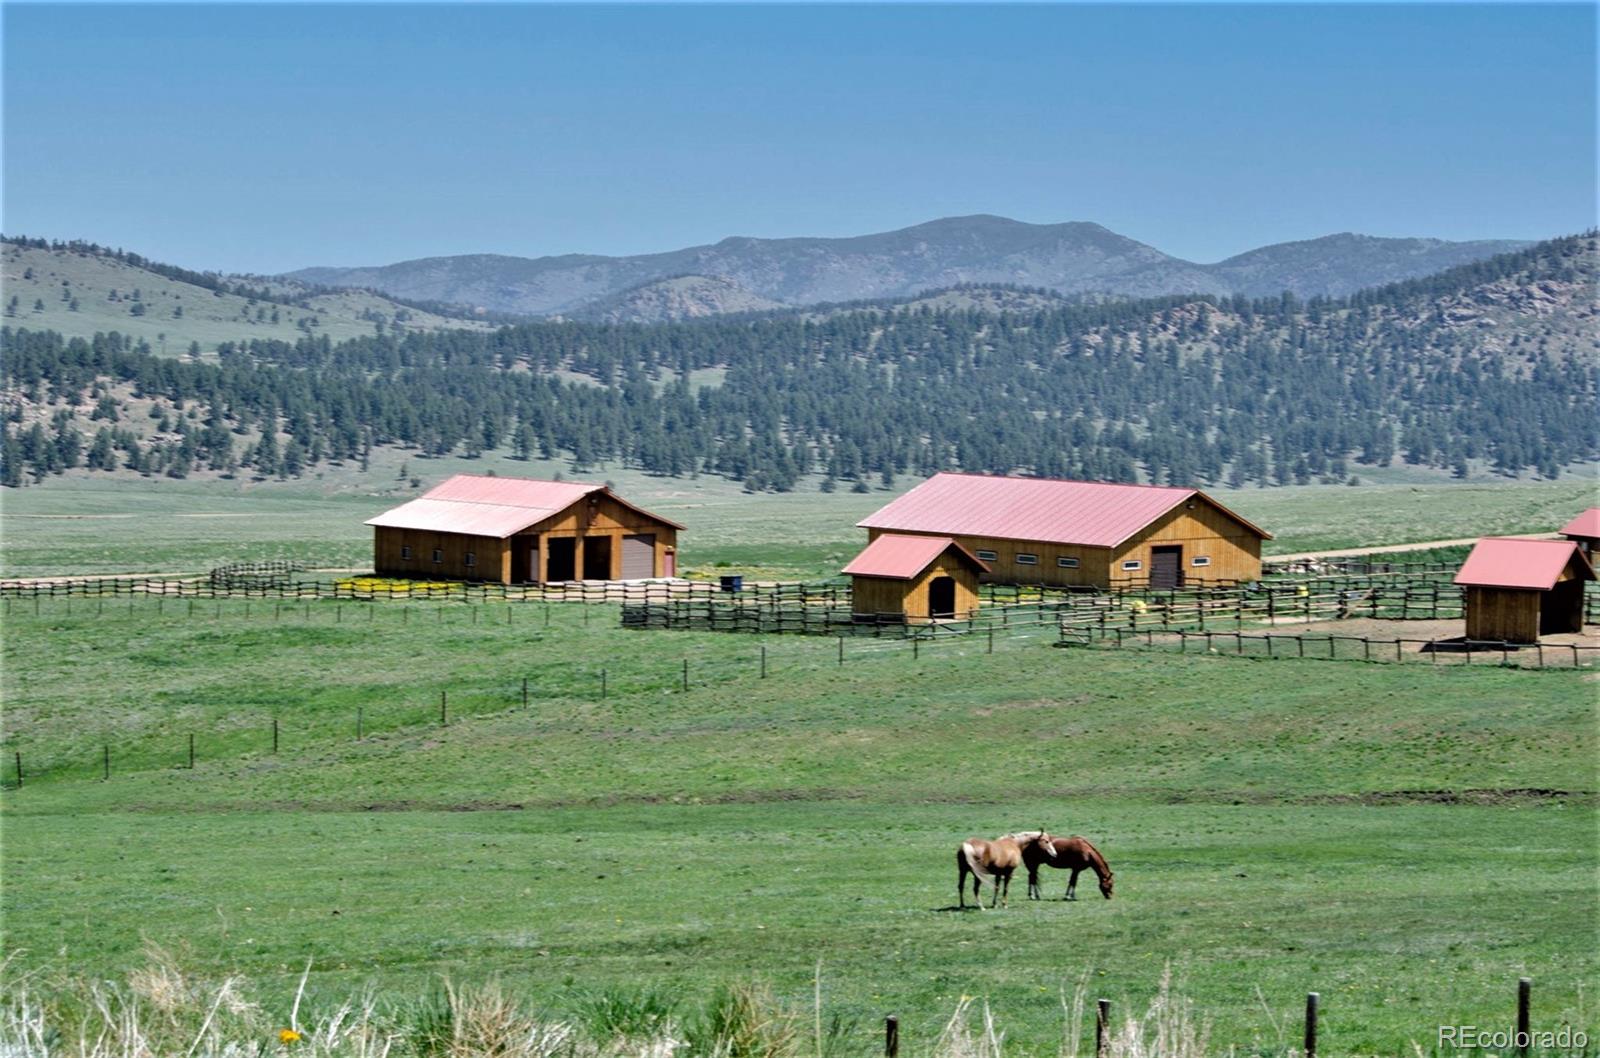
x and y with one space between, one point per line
1394 549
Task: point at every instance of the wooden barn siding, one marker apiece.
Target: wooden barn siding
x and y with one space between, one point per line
1092 561
1206 532
875 595
607 517
1503 613
886 595
488 552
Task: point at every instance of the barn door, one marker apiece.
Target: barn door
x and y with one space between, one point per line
638 556
1166 568
942 597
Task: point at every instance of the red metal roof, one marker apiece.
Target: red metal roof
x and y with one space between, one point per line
903 557
1513 562
1585 524
480 505
1086 513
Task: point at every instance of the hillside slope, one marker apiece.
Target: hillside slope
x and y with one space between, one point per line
1069 258
80 293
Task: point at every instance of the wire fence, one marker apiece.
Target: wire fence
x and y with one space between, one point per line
561 693
1331 647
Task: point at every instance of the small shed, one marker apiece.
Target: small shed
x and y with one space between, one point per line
1518 590
522 531
1584 530
914 578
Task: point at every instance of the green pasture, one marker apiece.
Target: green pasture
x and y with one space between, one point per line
86 523
1405 840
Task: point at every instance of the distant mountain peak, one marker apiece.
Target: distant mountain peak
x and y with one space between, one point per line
1072 257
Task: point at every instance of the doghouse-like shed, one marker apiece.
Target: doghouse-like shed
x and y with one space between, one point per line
1584 530
915 578
521 530
1518 590
1079 533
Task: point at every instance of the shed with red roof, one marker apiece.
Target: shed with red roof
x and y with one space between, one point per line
521 530
1518 590
903 577
1584 530
1079 533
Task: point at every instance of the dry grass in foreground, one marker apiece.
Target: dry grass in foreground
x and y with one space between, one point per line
160 1011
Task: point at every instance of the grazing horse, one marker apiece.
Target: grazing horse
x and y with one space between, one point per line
1068 854
992 862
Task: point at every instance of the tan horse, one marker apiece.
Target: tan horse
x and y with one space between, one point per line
1067 854
993 862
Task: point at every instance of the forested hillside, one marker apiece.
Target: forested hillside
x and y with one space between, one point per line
1490 364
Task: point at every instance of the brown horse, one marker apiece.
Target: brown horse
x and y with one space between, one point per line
993 861
1068 854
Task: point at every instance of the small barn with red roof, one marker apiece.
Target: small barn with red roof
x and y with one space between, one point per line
1584 530
521 530
915 579
1518 590
1079 533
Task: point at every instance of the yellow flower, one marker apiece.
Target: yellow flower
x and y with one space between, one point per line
288 1036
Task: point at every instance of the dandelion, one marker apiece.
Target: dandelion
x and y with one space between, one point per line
288 1036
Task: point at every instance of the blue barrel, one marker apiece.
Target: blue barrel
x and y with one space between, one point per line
735 582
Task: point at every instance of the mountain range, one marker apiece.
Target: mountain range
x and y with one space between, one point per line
746 274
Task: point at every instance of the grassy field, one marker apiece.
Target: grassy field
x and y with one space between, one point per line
104 524
35 276
1280 826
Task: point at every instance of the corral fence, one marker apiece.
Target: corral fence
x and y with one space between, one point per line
255 576
269 580
1362 565
1331 647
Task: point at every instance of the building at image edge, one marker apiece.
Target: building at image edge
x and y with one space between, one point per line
1079 533
522 531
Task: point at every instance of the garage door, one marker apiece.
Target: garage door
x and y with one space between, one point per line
638 556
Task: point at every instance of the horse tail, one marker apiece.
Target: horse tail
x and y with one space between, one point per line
974 861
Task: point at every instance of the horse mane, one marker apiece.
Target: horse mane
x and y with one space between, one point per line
1100 865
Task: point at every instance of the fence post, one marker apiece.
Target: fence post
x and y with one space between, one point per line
359 718
841 649
602 684
763 661
891 1037
524 692
991 641
916 646
191 751
1102 1028
1312 999
444 715
274 734
19 752
686 674
1524 990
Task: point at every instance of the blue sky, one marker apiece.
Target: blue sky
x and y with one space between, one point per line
264 138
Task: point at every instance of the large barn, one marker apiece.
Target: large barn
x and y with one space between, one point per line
1518 590
518 530
1079 533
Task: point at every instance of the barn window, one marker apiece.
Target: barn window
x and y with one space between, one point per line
987 556
1200 560
1025 559
405 552
1132 564
1067 563
472 558
438 556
